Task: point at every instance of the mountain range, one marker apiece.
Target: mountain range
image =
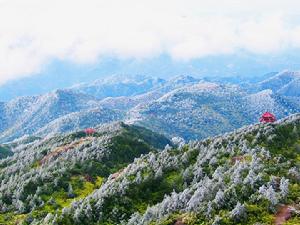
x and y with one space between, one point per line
183 106
183 151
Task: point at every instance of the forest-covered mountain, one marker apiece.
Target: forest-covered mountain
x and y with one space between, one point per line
48 174
182 106
116 176
28 115
279 81
79 107
206 109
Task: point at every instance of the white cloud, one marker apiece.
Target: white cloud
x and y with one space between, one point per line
32 32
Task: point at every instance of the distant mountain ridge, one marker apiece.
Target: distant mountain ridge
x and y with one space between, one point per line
208 109
279 80
116 86
181 106
26 115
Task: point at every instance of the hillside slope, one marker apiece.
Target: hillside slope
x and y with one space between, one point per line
244 177
79 120
291 89
46 175
208 109
5 151
278 81
248 176
27 115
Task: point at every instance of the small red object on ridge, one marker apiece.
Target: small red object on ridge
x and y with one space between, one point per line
267 117
89 131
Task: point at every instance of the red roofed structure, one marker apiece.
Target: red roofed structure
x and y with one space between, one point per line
267 118
89 131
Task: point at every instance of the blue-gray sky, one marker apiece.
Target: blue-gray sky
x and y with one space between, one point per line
85 33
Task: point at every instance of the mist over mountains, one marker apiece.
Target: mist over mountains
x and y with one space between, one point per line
149 112
234 68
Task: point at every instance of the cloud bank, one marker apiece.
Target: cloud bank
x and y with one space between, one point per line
34 32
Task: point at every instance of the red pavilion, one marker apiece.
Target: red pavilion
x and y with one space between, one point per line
267 118
89 131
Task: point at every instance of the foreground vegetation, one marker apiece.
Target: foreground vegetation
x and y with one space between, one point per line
44 176
250 176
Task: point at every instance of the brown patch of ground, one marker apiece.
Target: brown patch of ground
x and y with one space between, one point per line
116 174
57 151
283 214
237 159
179 222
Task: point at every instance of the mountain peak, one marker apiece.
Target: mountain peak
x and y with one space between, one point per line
181 79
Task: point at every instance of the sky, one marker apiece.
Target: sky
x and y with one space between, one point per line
86 33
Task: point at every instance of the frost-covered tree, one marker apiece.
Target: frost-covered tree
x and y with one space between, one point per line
179 141
284 187
269 193
239 212
219 199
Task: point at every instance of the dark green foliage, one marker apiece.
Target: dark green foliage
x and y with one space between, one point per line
138 197
283 141
5 151
76 135
154 139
